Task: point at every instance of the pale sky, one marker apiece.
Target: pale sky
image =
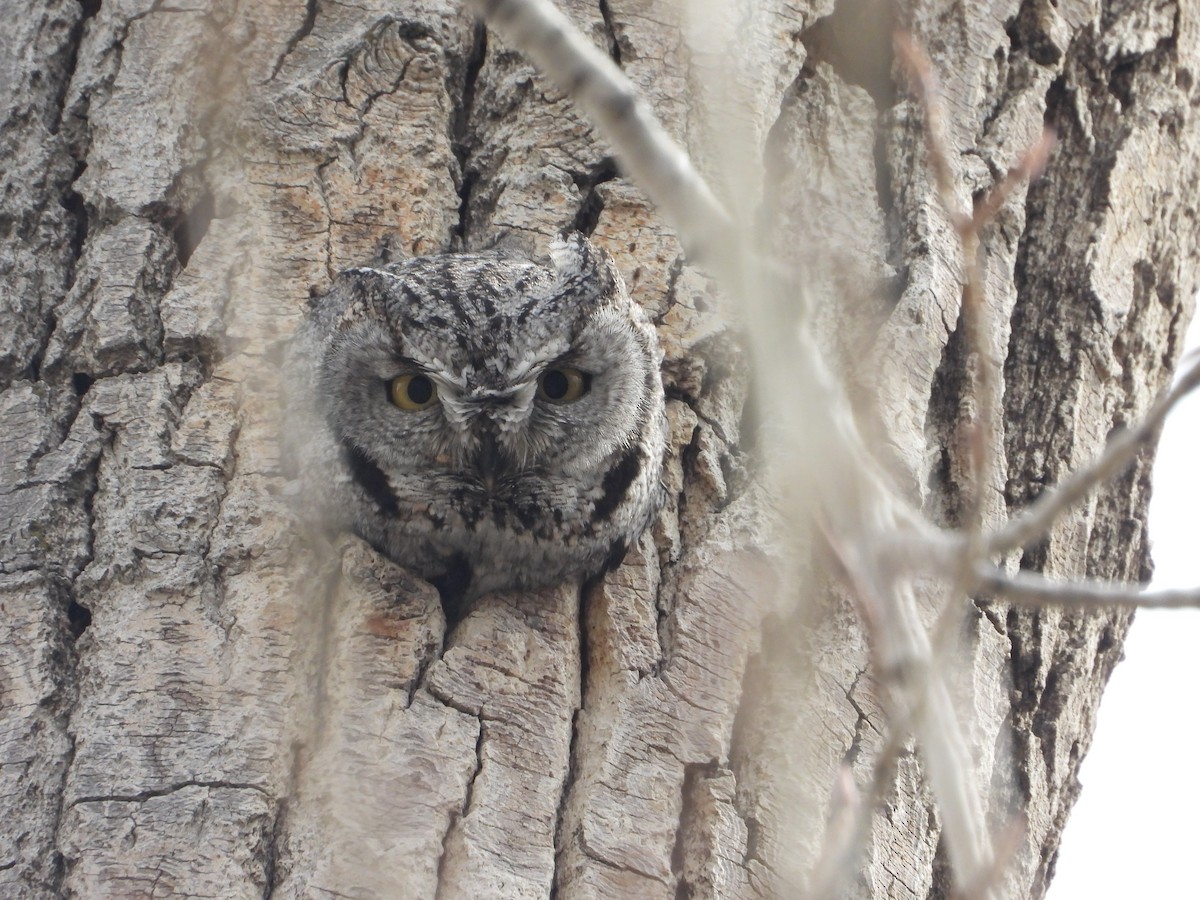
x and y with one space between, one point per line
1135 830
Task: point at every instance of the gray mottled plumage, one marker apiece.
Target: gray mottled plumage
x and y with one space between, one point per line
493 486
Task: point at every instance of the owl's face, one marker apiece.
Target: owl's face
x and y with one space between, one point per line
490 415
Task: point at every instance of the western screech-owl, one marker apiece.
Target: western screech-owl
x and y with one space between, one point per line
485 421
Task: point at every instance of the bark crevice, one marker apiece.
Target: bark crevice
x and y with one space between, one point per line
460 131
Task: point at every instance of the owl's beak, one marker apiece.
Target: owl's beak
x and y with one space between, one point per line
489 462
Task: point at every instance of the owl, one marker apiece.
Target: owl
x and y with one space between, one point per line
487 422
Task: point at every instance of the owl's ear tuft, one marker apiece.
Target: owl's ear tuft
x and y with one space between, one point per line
366 291
367 284
581 265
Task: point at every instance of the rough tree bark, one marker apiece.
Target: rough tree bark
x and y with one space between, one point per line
196 698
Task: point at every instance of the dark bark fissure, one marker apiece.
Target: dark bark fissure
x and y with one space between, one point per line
444 860
761 672
894 251
77 210
46 104
70 200
862 724
78 127
66 696
182 217
323 193
34 370
592 205
570 777
610 32
942 885
480 740
191 226
460 135
306 27
1027 34
689 818
87 10
61 865
143 796
947 425
272 848
1042 308
423 665
78 618
561 838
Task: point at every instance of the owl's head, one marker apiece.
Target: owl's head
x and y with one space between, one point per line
484 371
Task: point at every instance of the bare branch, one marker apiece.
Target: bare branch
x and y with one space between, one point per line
1031 589
1035 521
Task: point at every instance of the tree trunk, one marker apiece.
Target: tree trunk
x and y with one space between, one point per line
198 698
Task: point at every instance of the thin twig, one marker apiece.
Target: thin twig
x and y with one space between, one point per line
923 82
1035 521
1031 589
984 384
919 700
850 821
968 228
1029 168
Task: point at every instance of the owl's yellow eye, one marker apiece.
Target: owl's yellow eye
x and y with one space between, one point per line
412 392
563 384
